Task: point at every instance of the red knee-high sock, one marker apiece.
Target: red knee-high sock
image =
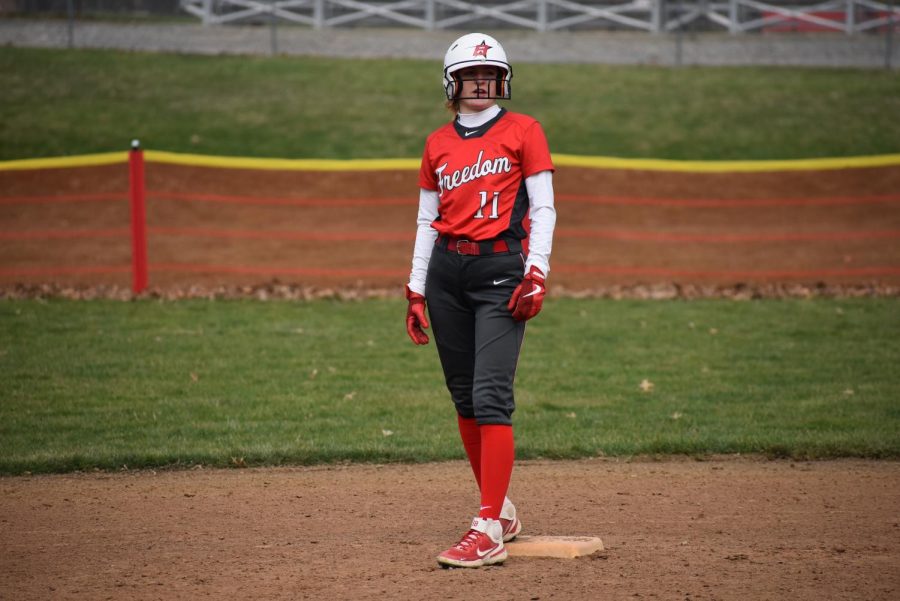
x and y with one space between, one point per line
471 439
497 455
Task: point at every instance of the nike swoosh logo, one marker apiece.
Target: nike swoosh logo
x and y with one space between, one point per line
469 133
537 290
482 553
498 282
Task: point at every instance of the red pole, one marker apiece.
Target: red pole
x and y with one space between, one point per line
138 219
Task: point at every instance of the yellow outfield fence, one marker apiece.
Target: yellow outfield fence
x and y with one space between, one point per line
561 160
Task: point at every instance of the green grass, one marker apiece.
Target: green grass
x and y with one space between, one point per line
58 102
105 384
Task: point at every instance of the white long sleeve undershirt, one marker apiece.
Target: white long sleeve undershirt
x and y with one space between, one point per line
543 220
425 238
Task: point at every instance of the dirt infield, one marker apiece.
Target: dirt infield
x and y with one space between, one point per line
212 227
736 528
680 529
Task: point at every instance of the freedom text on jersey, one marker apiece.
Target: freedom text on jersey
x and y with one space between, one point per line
480 168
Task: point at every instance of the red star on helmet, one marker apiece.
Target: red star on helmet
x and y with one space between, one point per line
481 49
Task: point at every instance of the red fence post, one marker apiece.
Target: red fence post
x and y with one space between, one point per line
138 219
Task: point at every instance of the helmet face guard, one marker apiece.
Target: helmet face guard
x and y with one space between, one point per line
476 50
502 86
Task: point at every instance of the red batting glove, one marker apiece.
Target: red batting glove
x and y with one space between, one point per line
528 296
415 317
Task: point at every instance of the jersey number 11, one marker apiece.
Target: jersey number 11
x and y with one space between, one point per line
495 201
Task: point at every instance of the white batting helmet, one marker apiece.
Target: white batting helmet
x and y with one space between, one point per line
473 50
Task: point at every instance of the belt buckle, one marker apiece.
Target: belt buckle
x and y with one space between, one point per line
458 242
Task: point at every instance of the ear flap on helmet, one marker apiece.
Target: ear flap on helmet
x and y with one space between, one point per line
454 86
503 88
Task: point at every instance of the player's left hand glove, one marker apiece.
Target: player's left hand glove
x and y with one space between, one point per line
528 296
415 317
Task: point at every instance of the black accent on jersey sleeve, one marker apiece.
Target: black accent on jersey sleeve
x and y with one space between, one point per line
516 228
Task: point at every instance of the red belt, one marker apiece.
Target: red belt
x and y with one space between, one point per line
474 247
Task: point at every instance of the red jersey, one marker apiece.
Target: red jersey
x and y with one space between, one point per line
479 175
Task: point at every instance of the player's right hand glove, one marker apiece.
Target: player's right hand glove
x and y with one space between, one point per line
415 317
528 297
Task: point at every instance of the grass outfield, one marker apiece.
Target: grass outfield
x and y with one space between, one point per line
105 384
59 102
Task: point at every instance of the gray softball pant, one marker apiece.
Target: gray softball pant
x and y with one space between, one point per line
477 339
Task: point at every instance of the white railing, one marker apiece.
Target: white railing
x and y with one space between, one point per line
849 16
735 16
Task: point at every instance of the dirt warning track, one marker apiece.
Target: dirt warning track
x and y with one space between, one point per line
214 226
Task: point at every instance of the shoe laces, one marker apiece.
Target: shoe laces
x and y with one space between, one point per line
469 539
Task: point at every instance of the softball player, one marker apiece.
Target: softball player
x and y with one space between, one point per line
485 229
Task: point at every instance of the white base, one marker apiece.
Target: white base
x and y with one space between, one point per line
554 546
